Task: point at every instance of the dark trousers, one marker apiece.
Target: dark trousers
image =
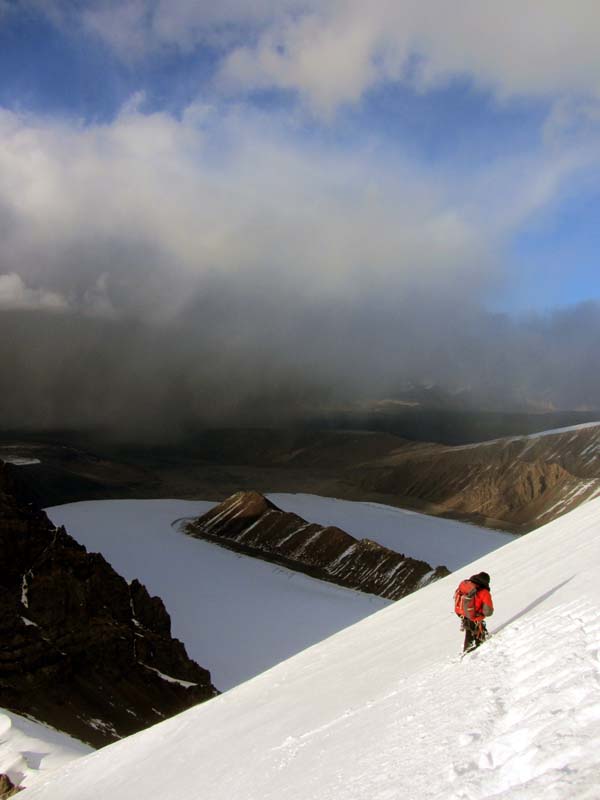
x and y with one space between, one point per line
475 633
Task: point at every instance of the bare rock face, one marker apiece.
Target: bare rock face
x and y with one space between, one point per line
83 650
7 787
249 523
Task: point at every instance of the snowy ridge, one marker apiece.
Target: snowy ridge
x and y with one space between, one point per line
432 539
532 436
386 709
576 448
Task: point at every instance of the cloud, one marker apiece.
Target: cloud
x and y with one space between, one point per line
337 51
14 294
332 51
139 28
218 268
156 206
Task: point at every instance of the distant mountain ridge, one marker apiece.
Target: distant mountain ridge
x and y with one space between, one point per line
522 482
251 524
515 483
83 650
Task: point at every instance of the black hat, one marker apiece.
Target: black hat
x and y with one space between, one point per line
481 579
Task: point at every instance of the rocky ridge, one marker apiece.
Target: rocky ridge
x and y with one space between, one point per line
82 649
249 523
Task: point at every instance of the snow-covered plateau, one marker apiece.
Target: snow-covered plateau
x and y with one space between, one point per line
386 708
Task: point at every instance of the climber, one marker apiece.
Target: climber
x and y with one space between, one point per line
473 603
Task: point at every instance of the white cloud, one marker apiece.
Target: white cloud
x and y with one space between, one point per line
153 205
14 294
138 215
332 51
340 49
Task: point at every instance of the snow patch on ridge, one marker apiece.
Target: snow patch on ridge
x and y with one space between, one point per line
168 678
18 461
530 436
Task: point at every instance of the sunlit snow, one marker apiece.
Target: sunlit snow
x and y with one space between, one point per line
239 616
29 751
386 709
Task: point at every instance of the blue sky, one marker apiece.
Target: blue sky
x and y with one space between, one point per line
338 160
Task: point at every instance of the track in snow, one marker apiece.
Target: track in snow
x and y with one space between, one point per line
509 734
521 738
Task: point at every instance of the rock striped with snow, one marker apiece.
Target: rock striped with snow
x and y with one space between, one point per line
251 524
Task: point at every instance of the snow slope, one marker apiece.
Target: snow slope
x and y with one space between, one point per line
29 750
236 615
386 709
239 616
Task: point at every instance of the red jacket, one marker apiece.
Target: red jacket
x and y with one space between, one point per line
484 606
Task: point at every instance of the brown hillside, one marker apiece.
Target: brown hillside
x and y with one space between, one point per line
522 482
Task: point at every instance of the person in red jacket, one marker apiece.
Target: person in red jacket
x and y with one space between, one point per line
483 606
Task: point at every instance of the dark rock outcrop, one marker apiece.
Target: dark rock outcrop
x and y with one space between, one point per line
249 523
7 787
82 650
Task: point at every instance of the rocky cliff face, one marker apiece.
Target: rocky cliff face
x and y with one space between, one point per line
249 523
522 482
82 650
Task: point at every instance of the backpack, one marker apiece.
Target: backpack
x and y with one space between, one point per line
464 599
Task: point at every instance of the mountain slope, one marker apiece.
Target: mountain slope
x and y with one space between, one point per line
521 482
515 483
386 709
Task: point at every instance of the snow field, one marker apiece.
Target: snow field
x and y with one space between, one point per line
387 709
29 751
237 616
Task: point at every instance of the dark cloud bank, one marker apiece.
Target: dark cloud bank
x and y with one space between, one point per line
241 357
